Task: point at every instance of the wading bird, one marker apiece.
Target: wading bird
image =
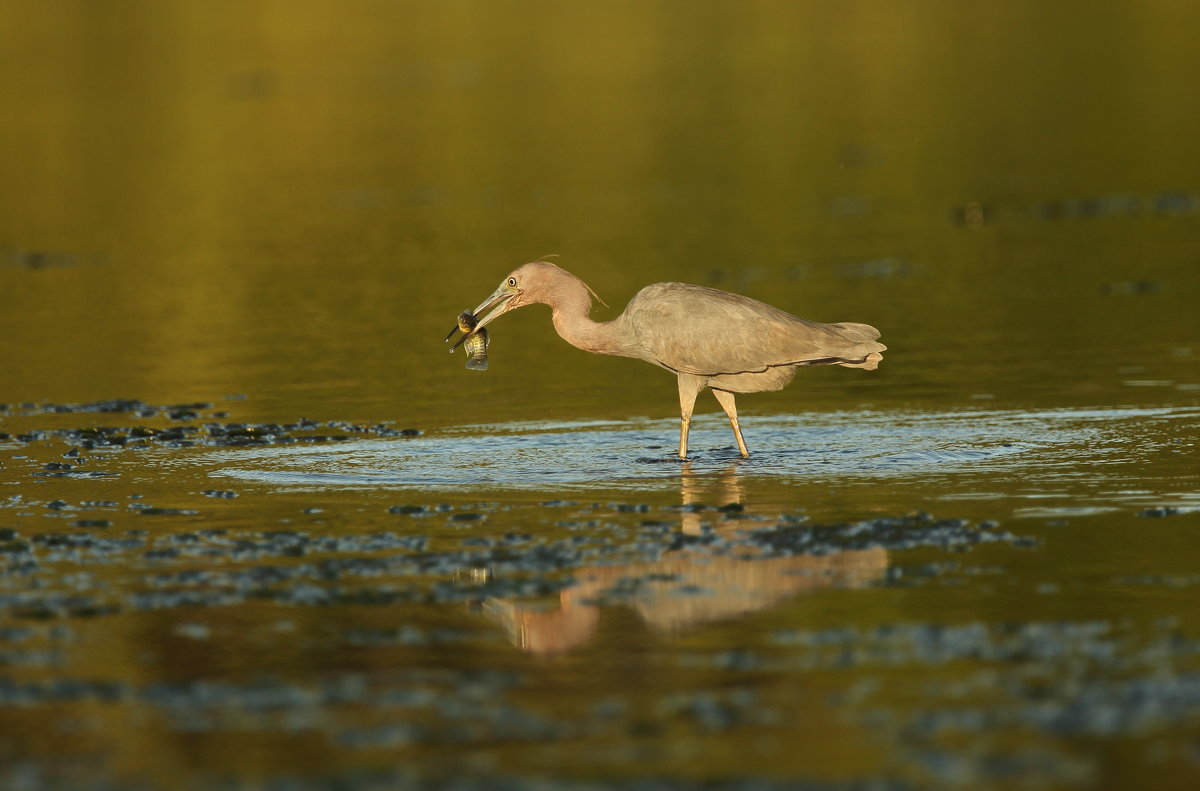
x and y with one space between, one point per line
708 338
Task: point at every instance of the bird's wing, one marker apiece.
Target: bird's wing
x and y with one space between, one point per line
705 331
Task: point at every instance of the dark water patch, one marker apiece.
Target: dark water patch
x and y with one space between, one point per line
1099 679
92 523
889 533
115 405
1168 204
183 433
302 567
82 547
1159 512
77 474
66 690
39 259
900 644
1160 580
1130 287
71 775
407 635
1096 709
884 268
1165 203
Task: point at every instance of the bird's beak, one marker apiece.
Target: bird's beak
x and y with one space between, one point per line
498 303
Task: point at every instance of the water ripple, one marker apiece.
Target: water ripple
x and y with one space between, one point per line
857 444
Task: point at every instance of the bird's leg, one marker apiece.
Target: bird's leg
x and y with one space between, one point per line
689 387
725 398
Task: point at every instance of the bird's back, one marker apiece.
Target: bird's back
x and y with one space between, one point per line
748 344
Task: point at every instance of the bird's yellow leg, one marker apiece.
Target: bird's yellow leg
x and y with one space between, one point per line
726 399
689 387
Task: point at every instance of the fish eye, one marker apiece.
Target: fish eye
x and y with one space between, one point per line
512 282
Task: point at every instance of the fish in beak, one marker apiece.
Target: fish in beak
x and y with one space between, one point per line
500 302
476 340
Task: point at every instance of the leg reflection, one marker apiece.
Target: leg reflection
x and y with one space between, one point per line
684 588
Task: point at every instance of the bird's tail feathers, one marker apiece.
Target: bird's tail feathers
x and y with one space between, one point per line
863 336
869 363
856 331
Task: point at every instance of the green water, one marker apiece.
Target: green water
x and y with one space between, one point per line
276 210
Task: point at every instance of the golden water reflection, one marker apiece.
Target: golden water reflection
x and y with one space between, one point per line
684 589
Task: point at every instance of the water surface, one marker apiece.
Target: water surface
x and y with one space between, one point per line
259 530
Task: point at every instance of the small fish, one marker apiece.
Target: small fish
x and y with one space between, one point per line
476 347
466 322
476 344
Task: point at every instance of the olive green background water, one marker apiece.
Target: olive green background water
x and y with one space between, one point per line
288 203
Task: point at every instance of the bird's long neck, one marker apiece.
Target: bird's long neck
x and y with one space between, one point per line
572 323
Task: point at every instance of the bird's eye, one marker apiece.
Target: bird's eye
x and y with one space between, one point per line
512 282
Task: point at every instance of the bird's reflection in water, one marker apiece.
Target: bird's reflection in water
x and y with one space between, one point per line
683 590
725 488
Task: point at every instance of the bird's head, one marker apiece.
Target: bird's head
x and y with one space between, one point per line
525 285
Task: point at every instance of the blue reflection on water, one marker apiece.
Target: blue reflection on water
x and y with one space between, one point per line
860 444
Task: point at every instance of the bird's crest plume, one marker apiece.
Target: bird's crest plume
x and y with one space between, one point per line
542 260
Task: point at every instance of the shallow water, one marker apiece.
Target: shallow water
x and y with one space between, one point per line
259 530
1048 449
